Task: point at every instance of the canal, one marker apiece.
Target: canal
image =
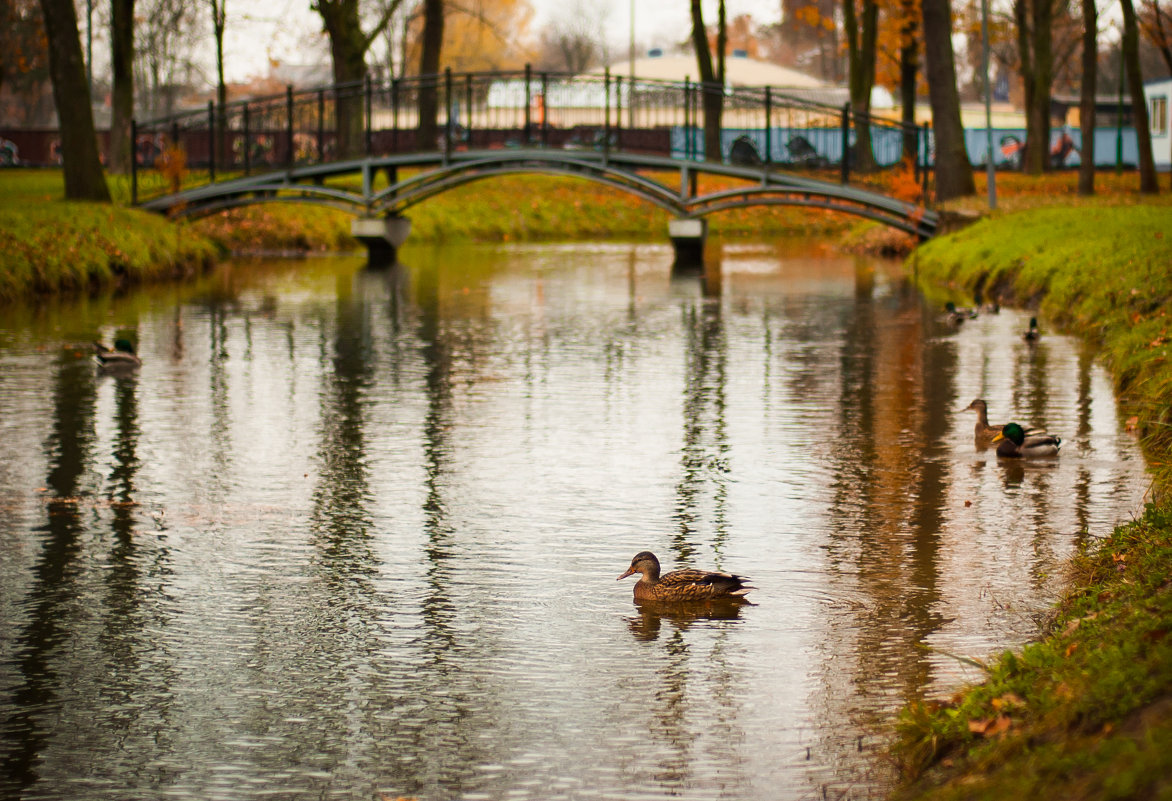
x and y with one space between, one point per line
355 534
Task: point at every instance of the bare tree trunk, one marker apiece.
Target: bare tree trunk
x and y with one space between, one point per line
1086 105
861 50
429 65
711 83
348 46
122 63
1035 37
1139 103
84 179
219 20
909 66
954 174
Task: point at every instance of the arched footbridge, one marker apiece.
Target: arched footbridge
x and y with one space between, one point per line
416 138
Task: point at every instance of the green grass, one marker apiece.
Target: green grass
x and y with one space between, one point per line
51 245
502 209
1098 271
1086 712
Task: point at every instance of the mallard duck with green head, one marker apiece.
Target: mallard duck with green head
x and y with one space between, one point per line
687 584
955 315
1015 442
122 355
1032 333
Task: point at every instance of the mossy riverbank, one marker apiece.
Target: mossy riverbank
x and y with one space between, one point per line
50 245
1086 712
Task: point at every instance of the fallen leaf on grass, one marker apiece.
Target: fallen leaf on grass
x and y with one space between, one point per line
991 727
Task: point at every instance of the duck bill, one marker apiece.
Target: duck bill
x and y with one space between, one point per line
630 570
998 437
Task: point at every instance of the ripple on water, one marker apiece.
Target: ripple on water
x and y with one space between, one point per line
349 533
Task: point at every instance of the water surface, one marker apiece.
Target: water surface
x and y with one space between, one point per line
348 532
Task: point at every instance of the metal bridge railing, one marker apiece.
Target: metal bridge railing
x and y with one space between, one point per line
489 110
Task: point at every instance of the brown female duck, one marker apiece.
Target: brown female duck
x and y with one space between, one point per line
983 431
683 585
986 433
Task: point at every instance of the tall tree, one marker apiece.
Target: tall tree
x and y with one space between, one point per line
24 64
122 65
429 63
84 179
909 68
348 47
954 174
1086 105
164 35
711 78
219 10
1035 43
1139 102
1156 23
861 38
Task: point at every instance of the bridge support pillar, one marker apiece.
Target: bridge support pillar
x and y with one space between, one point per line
383 236
687 237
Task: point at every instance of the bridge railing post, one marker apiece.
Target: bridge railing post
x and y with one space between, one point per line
846 141
368 92
618 112
467 110
606 116
768 128
321 125
447 114
395 115
528 103
545 109
134 162
290 157
927 149
687 117
247 144
211 142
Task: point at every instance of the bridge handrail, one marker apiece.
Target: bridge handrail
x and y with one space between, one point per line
781 94
611 113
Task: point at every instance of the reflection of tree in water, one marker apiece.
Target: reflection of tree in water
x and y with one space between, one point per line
705 451
693 659
450 734
40 645
341 518
886 512
137 677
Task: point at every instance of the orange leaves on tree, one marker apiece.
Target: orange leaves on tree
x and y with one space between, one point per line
903 184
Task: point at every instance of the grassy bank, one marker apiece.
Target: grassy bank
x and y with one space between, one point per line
1086 712
503 209
50 245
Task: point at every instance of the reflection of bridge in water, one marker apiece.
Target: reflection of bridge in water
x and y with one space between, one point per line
329 145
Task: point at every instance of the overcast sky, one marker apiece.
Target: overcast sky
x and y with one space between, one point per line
287 30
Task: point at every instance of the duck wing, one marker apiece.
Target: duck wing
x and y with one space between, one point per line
1041 444
696 585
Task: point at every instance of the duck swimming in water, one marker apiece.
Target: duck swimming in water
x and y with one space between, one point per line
982 431
1015 442
121 355
1032 334
683 585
